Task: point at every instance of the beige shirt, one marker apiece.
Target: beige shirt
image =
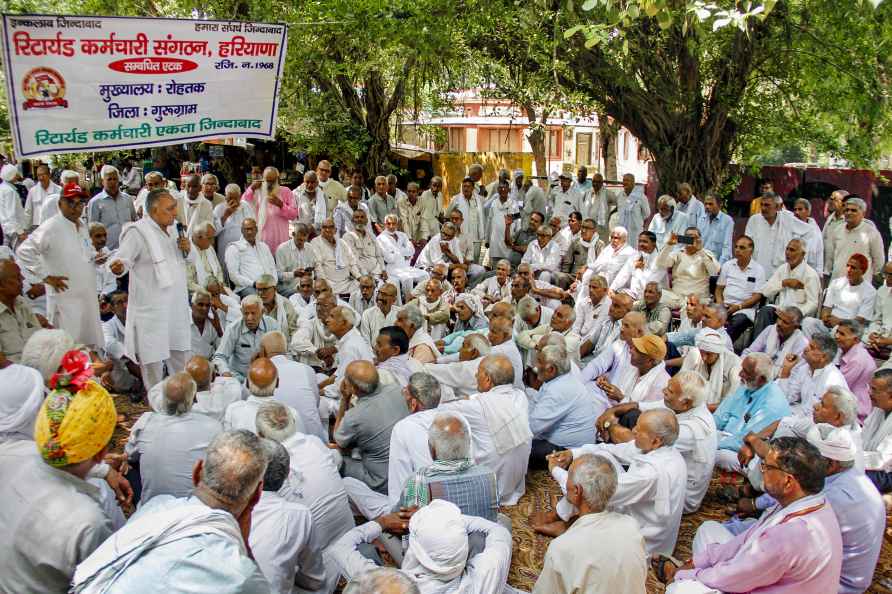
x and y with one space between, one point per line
805 299
16 327
863 239
690 274
368 255
882 317
613 562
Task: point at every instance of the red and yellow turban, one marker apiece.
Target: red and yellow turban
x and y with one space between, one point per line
77 418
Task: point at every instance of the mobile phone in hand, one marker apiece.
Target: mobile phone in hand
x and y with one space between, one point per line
685 240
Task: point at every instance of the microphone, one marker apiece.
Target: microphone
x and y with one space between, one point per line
181 232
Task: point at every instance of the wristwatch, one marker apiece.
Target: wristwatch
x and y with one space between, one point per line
607 425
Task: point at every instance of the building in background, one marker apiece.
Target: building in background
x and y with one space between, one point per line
477 124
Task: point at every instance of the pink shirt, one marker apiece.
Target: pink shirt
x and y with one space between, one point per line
275 229
801 555
857 366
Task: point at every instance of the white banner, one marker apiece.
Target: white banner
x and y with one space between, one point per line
83 83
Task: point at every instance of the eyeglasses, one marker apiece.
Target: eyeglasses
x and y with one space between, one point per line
763 466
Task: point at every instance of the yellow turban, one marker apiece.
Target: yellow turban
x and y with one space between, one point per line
71 428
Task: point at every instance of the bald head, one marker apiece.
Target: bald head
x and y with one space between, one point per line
273 343
497 369
500 330
178 393
502 309
363 376
200 369
262 377
636 319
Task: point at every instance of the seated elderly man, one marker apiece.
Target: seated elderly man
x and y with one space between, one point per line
313 344
247 259
805 383
363 297
214 392
334 261
313 481
459 377
304 299
397 250
878 336
241 339
119 374
434 308
495 288
366 425
544 292
392 356
275 306
795 546
210 525
612 370
877 433
756 404
263 379
17 320
668 221
543 255
443 248
294 260
452 476
641 269
422 347
561 322
439 272
685 395
52 516
714 362
438 557
297 387
591 310
408 438
713 316
739 287
849 297
793 284
652 489
282 530
614 562
837 408
498 415
563 413
691 267
657 313
782 338
361 241
606 333
855 362
205 330
531 315
382 314
610 260
646 354
165 445
351 346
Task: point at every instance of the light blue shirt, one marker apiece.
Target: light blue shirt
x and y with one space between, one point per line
748 411
563 413
114 213
206 563
716 234
862 517
238 346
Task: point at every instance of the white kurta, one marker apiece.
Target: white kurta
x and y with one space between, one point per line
397 251
35 202
805 387
60 248
158 314
498 210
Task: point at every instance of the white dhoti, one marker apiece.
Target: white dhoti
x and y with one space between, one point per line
727 460
710 533
370 504
689 587
408 278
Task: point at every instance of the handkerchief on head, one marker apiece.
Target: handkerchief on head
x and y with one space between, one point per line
438 541
834 443
8 172
710 341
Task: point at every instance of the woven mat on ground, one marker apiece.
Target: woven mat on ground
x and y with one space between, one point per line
529 547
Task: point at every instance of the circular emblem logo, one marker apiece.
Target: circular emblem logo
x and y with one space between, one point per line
43 88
